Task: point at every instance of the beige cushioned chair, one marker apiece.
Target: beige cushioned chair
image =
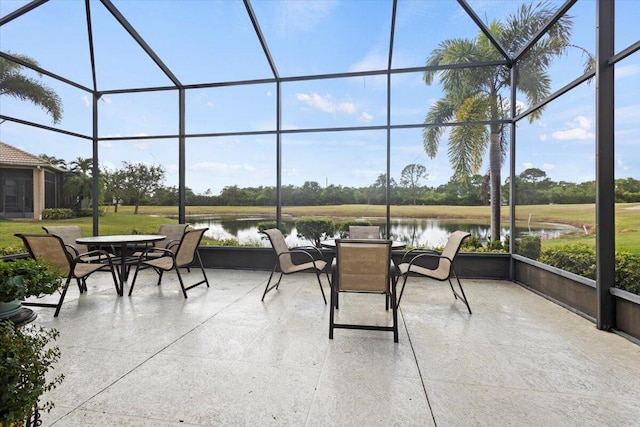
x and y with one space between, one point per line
363 266
364 232
311 259
51 249
416 261
183 254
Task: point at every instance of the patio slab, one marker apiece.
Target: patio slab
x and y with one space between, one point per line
223 357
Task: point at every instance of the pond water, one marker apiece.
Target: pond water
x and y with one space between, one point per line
416 232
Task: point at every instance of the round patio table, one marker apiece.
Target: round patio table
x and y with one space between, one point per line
331 244
123 240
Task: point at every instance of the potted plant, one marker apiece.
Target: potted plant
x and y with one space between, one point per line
23 278
26 356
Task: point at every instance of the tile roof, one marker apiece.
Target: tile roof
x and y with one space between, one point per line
13 156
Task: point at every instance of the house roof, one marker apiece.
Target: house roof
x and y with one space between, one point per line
12 156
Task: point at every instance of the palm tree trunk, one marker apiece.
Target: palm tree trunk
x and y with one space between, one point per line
495 163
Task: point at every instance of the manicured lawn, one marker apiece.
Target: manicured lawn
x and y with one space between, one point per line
149 219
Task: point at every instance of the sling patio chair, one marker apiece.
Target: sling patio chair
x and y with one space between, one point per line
441 267
364 266
51 249
173 234
69 234
311 256
364 232
182 254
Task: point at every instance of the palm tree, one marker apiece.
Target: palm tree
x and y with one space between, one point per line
477 94
16 84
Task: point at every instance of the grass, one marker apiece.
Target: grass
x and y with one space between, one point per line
149 218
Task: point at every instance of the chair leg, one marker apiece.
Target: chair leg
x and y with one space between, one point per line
334 306
404 283
320 284
394 308
267 288
461 296
64 292
184 291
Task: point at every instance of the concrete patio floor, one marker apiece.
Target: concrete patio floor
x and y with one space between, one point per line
223 357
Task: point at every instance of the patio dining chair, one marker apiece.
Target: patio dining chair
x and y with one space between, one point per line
69 234
173 233
364 232
182 254
435 265
310 256
51 249
363 266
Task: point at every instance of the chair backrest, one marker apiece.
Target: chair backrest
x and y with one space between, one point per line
452 248
280 247
364 232
186 252
50 249
68 234
173 232
363 264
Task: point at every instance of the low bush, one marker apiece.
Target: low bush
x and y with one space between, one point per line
315 229
58 213
529 246
580 259
265 225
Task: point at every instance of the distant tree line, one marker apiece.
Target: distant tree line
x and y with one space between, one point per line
139 184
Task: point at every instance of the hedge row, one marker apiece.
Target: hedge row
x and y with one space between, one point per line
581 259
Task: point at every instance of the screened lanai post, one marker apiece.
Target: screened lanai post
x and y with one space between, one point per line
181 158
605 166
512 171
96 178
278 158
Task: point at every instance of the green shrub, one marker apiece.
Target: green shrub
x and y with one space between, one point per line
580 259
575 258
58 213
315 229
265 225
628 272
529 246
343 228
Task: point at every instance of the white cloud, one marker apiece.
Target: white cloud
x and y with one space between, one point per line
105 144
527 165
326 104
86 101
548 166
578 129
302 15
544 137
366 117
106 99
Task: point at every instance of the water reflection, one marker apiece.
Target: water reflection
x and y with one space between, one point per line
416 232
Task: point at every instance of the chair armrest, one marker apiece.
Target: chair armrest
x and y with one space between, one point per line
301 251
428 255
72 250
152 249
413 252
315 250
100 253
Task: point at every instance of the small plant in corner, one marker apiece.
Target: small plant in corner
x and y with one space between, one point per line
26 356
26 277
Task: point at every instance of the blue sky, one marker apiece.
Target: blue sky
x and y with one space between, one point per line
209 41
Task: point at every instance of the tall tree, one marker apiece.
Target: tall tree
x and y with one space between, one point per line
477 94
14 83
141 180
410 180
